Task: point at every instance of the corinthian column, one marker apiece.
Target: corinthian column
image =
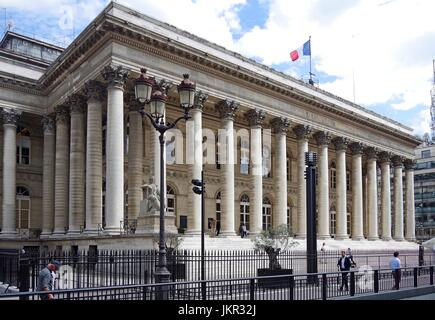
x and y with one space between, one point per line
48 176
372 188
61 179
256 118
323 140
77 165
302 133
94 157
341 229
386 195
410 204
10 119
135 158
115 76
357 191
196 168
398 198
227 110
280 127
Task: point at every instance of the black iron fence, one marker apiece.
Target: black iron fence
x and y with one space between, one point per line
105 268
320 286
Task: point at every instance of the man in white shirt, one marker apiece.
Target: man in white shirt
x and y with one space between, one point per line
395 265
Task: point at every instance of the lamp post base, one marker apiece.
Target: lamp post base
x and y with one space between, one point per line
162 275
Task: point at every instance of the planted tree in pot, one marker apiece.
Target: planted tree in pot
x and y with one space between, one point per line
273 241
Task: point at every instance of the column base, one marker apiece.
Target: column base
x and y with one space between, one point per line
399 239
9 234
45 235
323 237
193 233
373 238
58 234
112 231
301 236
92 232
342 237
387 239
225 234
358 238
73 233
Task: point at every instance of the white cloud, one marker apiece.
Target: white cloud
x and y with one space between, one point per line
421 122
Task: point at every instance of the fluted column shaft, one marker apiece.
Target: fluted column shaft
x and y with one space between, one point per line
341 218
323 139
227 110
386 198
94 160
398 200
135 161
410 203
61 180
372 199
48 171
357 193
9 223
77 166
281 126
302 133
115 148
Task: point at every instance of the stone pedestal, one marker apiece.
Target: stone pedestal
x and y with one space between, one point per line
149 224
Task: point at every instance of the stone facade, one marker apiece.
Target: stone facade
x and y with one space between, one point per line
88 192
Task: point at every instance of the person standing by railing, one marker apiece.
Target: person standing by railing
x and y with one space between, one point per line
46 279
344 265
395 265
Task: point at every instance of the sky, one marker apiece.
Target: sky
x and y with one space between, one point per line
377 53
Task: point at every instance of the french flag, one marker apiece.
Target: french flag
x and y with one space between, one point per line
304 50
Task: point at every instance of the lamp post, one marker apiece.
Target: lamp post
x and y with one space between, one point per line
148 92
200 189
310 176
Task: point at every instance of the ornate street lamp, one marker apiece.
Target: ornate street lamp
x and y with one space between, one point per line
148 92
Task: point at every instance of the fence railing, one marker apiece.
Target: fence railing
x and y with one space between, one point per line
113 268
319 286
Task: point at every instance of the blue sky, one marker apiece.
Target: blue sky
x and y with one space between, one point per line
383 49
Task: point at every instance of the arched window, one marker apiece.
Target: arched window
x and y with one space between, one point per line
267 213
218 207
244 155
333 220
23 145
267 162
244 210
170 199
333 184
22 208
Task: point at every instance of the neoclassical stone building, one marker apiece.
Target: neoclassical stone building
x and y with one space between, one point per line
76 149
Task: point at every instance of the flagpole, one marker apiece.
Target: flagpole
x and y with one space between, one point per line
311 74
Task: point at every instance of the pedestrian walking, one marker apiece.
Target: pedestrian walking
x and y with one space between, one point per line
344 265
395 266
323 253
244 231
46 279
218 228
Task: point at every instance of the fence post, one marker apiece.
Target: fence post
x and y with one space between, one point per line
252 289
292 288
415 277
376 281
324 286
431 275
24 276
352 283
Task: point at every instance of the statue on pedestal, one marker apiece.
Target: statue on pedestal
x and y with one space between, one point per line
151 198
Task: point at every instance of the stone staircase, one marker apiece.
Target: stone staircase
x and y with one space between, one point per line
216 243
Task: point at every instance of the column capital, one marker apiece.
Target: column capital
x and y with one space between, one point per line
115 75
11 116
409 164
76 103
397 161
280 125
340 143
302 131
62 113
227 109
357 148
200 99
323 138
385 157
371 153
94 90
255 117
48 122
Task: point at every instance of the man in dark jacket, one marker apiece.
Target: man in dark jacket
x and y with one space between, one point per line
344 265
